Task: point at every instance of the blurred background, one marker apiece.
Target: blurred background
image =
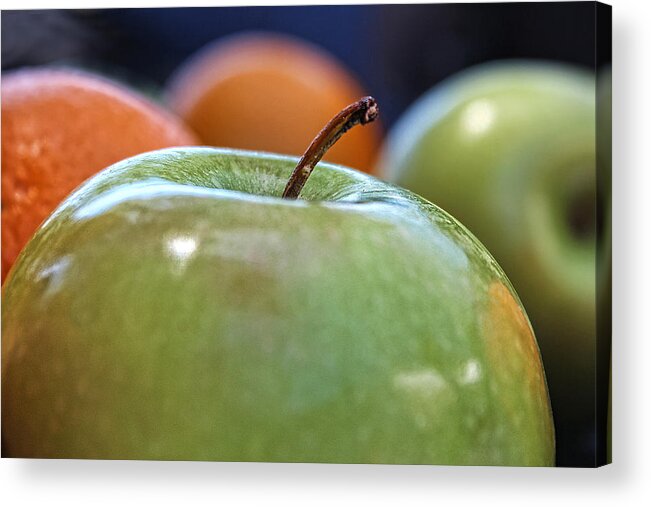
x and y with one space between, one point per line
395 52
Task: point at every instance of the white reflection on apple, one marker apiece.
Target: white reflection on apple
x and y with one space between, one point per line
478 117
181 249
143 191
55 274
426 389
471 372
425 381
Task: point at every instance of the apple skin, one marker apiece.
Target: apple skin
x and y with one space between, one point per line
508 148
174 308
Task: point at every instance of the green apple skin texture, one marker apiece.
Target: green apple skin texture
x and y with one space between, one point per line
173 308
507 148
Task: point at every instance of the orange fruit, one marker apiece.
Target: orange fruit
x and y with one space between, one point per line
270 93
60 127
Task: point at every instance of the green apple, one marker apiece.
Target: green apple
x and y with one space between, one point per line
176 307
509 149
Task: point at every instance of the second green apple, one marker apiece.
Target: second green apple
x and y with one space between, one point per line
509 149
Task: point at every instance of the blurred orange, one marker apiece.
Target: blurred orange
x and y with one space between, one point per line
270 93
60 127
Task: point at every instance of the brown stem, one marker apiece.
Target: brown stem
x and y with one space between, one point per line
363 111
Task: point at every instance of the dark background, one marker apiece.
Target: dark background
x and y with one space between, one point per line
397 52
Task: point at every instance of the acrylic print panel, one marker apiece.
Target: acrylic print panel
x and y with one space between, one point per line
194 270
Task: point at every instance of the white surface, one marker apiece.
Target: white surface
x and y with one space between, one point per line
627 482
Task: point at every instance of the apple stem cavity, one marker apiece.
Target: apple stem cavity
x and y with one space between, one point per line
364 111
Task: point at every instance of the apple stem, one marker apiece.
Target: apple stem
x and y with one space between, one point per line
364 111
